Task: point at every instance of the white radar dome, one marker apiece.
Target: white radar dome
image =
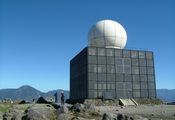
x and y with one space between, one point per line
107 33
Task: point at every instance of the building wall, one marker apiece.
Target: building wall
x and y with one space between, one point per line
113 73
78 76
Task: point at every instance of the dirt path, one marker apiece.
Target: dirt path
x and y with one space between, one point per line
164 112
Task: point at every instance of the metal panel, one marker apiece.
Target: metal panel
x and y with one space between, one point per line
144 93
149 55
110 69
101 60
134 54
110 52
119 77
92 59
110 60
135 62
101 77
110 77
136 93
126 53
118 53
141 54
92 51
101 52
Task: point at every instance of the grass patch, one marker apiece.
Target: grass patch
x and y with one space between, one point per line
22 107
149 101
4 107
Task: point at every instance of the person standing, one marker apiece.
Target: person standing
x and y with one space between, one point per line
62 98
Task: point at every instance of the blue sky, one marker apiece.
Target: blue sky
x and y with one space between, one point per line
39 37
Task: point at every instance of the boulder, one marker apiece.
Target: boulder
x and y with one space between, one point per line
112 116
55 105
62 109
40 112
12 114
22 102
41 100
77 107
91 108
109 116
64 116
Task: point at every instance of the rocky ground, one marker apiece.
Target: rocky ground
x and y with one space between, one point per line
86 111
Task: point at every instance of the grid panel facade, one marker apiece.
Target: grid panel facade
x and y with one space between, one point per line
115 73
78 76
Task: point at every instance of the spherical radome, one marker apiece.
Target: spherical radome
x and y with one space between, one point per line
107 33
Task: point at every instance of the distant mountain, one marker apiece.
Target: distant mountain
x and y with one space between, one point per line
166 95
27 93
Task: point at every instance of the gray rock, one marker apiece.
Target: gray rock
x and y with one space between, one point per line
109 116
33 114
13 114
138 117
40 112
41 100
112 116
62 109
77 107
91 108
64 116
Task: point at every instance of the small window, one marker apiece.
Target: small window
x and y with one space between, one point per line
92 59
92 68
126 53
99 86
101 51
119 77
136 93
104 86
110 60
118 53
92 76
101 77
128 85
127 69
128 77
135 62
143 85
101 68
152 94
101 60
141 54
144 93
109 52
110 69
151 85
150 70
135 70
92 51
149 55
151 78
136 78
149 62
142 70
119 69
134 54
143 78
142 62
110 77
127 61
119 61
119 85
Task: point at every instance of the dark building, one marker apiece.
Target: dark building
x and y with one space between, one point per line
105 69
98 72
